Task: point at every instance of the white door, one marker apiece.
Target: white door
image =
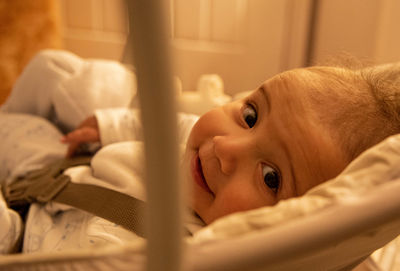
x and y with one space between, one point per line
244 41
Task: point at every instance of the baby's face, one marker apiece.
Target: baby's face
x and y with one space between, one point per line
259 150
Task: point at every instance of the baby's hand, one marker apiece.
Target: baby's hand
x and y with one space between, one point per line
87 132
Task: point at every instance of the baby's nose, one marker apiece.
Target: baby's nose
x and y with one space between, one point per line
230 151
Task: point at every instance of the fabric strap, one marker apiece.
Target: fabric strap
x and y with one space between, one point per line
50 184
112 205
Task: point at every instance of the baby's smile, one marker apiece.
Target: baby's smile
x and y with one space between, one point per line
198 175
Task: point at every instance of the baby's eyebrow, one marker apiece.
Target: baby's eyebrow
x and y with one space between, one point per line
266 96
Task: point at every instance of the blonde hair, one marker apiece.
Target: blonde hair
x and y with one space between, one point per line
360 107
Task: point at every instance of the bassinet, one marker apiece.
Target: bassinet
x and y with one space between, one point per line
334 226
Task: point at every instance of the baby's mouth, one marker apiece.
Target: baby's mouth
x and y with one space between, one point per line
198 175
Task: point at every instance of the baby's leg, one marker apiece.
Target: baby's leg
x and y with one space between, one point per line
26 143
33 92
66 89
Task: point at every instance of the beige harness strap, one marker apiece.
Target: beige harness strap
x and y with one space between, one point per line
114 206
49 184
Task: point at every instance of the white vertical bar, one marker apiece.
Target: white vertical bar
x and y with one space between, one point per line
172 17
205 20
241 13
148 26
384 30
98 12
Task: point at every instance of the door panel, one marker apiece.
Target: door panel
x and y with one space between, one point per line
244 41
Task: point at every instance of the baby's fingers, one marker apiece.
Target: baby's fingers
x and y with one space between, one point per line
78 137
82 135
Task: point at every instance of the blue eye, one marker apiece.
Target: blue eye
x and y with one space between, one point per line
250 115
271 178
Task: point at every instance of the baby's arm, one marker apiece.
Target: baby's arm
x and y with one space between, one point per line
112 125
106 126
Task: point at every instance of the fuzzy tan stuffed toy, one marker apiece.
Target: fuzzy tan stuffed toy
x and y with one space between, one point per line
26 27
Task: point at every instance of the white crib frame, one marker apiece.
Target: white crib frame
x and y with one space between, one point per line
148 36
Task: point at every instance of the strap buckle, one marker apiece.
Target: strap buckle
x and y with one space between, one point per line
39 187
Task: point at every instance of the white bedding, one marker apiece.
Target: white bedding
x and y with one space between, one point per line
378 167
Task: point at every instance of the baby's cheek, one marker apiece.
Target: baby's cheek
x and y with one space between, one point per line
235 200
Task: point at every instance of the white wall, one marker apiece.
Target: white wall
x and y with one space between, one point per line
367 29
245 41
94 28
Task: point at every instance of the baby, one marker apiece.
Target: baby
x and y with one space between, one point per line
297 130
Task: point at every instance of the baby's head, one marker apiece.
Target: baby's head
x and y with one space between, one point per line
299 129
